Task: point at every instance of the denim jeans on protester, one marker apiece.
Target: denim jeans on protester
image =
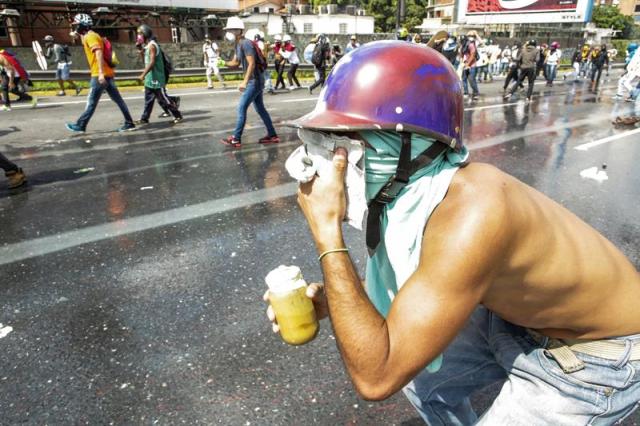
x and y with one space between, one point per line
551 72
253 95
536 392
470 75
95 92
7 165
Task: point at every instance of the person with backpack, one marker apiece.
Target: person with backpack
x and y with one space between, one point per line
279 61
250 57
154 76
61 57
14 78
319 60
599 59
470 58
101 63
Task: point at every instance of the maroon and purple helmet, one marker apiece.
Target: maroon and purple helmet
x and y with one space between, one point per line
391 85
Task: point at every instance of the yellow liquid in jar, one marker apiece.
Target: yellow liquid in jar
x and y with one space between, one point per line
296 316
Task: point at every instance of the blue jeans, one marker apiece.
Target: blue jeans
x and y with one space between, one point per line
95 92
253 94
470 74
551 72
536 391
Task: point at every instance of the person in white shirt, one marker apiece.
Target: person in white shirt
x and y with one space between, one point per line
290 53
551 62
211 58
352 45
505 58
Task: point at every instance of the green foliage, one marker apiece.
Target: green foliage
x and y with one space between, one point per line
610 17
384 13
621 47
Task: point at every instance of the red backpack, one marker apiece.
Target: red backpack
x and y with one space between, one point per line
108 54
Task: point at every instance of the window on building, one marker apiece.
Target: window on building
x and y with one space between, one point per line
343 28
308 28
637 8
4 33
271 10
256 10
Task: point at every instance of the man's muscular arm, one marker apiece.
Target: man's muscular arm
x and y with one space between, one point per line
458 261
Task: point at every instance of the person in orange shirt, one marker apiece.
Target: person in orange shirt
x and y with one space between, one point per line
102 76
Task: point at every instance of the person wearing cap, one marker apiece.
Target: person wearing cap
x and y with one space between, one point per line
470 58
154 77
352 45
211 56
61 57
102 76
253 64
473 278
290 53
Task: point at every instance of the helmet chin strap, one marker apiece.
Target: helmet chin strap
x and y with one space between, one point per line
396 183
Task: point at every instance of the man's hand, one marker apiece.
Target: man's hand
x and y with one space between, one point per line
323 203
101 79
242 86
315 292
141 77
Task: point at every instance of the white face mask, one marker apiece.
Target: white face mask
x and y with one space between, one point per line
230 36
315 157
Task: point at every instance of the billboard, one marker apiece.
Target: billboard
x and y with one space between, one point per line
523 11
193 4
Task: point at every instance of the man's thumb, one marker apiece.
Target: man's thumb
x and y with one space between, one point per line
340 160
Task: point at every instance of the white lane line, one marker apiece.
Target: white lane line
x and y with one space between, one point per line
45 245
490 106
598 142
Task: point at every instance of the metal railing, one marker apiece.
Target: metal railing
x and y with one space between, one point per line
49 75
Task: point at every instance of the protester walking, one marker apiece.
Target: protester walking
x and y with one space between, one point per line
290 53
211 56
61 56
528 58
100 57
599 60
352 45
154 77
551 62
279 61
254 65
319 60
469 60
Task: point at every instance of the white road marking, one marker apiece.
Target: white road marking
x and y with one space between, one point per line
598 142
16 252
4 331
595 174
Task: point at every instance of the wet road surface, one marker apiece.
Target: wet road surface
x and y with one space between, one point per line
133 264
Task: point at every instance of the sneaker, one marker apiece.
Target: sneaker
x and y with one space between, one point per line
164 115
74 127
475 97
506 96
310 91
34 102
61 93
141 122
6 108
78 90
177 120
269 140
231 141
209 87
629 99
617 97
127 127
16 178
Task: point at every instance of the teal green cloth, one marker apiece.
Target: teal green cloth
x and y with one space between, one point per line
403 221
155 79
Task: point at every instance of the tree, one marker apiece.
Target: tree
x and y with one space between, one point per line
384 13
610 17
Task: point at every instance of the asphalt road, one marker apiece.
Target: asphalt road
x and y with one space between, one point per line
133 264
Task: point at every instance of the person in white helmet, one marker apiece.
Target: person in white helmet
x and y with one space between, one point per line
210 53
290 53
250 57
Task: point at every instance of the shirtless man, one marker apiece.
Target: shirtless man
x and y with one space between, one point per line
507 285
